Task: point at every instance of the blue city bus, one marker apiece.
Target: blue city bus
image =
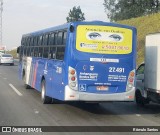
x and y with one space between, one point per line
80 61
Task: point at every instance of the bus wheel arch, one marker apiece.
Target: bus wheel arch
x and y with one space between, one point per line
45 99
24 79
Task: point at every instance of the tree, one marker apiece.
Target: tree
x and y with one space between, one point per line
126 9
75 15
153 6
110 8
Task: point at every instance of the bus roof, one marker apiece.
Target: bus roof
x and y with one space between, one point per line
64 26
67 25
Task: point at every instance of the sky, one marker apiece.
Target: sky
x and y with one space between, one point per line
25 16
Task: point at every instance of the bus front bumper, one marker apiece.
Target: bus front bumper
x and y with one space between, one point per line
72 95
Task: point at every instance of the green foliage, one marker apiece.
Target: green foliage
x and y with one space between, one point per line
126 9
75 15
145 25
13 52
110 8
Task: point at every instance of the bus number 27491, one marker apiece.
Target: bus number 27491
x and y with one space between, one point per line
116 70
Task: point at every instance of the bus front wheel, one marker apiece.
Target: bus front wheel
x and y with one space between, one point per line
45 99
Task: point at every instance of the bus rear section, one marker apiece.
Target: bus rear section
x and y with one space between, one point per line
102 65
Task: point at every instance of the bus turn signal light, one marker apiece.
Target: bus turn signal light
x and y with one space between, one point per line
132 74
72 72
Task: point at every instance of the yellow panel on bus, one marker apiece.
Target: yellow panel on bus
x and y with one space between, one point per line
104 39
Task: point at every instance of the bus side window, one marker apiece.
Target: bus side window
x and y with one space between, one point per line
64 37
24 50
40 51
46 39
36 54
60 53
43 40
35 41
26 47
59 38
28 41
45 52
61 49
52 53
31 51
55 39
25 44
51 39
40 40
28 51
31 42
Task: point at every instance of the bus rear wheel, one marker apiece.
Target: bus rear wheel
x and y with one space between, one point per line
45 99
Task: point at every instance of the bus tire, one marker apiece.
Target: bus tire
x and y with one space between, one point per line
140 100
45 99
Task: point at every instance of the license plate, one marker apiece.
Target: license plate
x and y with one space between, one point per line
102 88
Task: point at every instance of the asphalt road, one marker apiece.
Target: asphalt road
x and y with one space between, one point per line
24 108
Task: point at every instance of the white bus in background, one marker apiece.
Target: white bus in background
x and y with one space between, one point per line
148 73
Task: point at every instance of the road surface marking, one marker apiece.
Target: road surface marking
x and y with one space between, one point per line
138 115
5 78
20 94
36 111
